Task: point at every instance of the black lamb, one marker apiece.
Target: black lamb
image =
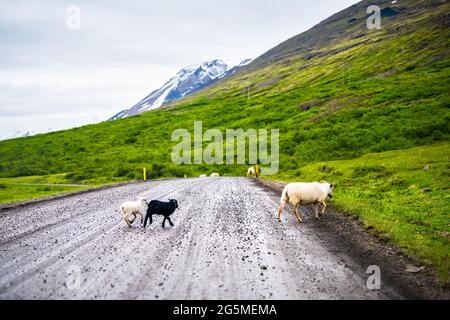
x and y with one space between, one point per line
161 208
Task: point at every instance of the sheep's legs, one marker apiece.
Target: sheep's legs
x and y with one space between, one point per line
164 222
148 216
126 220
317 211
280 210
297 213
142 217
324 206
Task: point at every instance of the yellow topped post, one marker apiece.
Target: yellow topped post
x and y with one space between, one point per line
145 174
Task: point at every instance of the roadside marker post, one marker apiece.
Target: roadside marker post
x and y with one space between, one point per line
145 174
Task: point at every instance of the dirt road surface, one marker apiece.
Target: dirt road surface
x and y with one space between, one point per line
226 244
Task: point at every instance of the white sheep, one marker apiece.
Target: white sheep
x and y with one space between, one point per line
133 208
306 193
251 172
215 174
202 176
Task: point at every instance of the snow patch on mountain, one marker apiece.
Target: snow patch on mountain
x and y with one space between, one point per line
16 134
186 82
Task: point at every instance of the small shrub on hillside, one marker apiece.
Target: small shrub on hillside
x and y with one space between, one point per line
133 175
122 172
23 172
363 171
75 177
325 169
69 175
173 172
383 173
157 170
130 140
397 182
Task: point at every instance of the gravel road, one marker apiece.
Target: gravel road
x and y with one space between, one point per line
226 244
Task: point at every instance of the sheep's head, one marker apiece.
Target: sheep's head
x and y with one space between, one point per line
143 201
174 202
332 187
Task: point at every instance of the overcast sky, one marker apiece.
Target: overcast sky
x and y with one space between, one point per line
53 76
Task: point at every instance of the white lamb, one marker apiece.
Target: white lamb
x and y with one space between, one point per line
215 174
133 208
202 176
251 172
306 193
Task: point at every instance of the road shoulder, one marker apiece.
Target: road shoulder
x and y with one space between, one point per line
39 200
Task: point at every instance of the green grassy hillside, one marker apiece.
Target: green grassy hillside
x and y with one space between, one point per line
336 92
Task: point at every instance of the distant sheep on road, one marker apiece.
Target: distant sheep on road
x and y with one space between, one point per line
306 193
215 174
202 176
251 172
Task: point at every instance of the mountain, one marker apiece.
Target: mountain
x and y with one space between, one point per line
16 134
186 82
23 134
236 68
350 26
